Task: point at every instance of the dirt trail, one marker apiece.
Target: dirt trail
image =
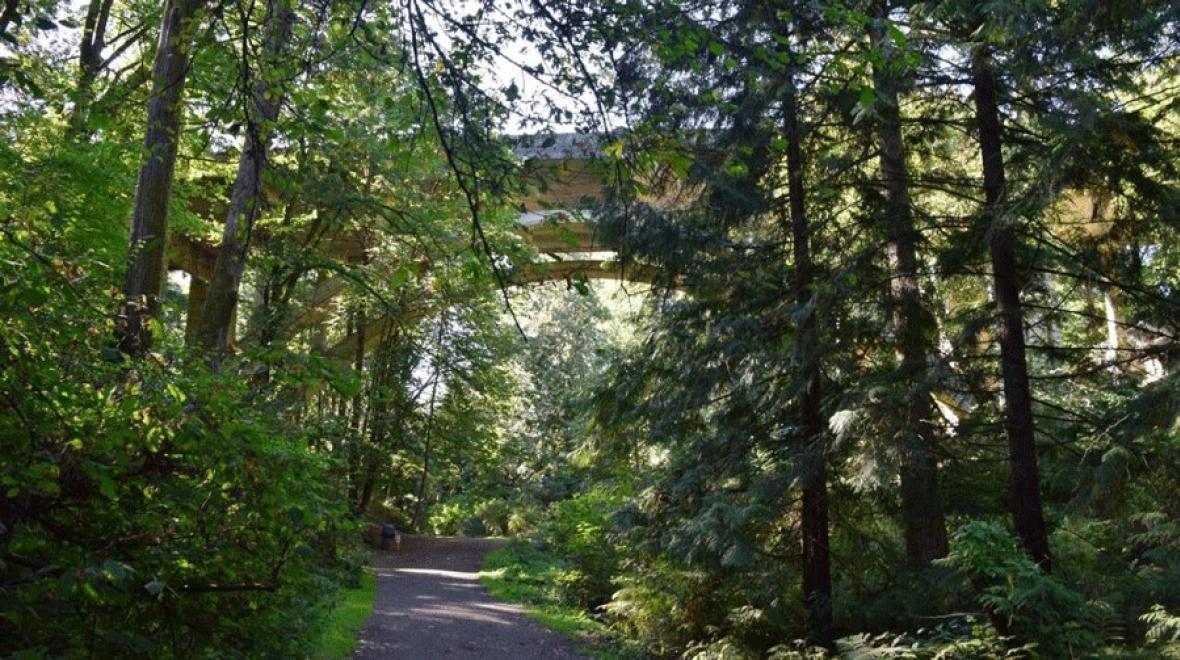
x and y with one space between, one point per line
430 605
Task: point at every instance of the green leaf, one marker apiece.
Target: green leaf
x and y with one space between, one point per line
34 297
400 277
106 486
868 97
898 36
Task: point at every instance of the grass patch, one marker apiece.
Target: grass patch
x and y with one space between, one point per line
520 573
345 621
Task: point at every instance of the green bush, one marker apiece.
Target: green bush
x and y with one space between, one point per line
520 521
471 516
1022 599
452 517
579 532
649 606
495 514
149 508
520 572
1164 631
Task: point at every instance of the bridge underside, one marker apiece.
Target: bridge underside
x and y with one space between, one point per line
563 182
575 269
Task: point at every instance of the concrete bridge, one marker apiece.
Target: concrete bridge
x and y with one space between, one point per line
564 173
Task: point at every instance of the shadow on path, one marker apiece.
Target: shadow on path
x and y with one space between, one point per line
430 604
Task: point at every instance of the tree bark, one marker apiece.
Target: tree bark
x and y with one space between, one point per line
922 516
425 476
389 370
422 480
8 15
378 412
196 301
353 454
149 219
1018 419
216 320
275 292
366 495
817 570
90 64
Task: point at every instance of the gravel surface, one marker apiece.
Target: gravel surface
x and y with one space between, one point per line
430 605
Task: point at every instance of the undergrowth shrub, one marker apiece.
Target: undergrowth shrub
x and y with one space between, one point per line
149 508
494 514
1031 604
473 516
521 521
654 605
1163 632
577 530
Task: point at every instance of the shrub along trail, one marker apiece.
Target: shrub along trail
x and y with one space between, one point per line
430 604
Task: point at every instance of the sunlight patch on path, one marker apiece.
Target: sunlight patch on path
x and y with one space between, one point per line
430 604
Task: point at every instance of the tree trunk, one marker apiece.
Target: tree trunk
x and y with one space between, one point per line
922 517
149 219
422 480
216 319
356 423
90 64
8 15
817 570
319 332
196 302
1018 419
276 293
366 495
385 406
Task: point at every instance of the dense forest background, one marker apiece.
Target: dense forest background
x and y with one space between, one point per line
899 378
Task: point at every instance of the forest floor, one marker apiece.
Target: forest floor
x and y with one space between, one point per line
430 604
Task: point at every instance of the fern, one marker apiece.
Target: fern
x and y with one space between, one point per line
1163 631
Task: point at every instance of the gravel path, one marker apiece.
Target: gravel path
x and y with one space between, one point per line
430 605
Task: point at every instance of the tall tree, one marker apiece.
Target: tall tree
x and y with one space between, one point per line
144 283
265 91
8 15
922 516
1002 242
428 432
90 60
817 569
